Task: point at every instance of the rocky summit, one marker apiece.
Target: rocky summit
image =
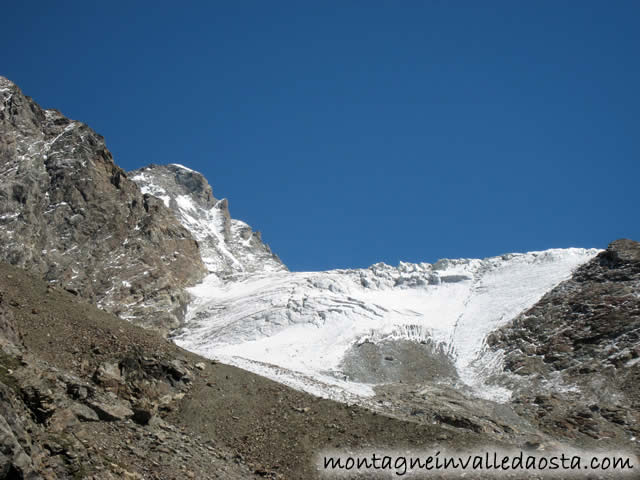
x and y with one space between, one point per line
229 247
69 214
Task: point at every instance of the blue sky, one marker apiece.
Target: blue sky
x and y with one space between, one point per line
351 132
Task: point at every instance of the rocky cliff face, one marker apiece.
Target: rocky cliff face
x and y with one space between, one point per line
229 247
70 214
573 360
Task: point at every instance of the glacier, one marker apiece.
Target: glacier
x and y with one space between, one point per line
297 327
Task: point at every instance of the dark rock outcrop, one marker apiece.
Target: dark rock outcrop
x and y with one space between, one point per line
573 360
69 214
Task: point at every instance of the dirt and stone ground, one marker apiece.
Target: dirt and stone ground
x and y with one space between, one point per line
87 395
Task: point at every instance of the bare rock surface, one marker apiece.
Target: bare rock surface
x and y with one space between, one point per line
84 394
573 360
68 213
171 413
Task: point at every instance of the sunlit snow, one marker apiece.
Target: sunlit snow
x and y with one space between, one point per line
296 327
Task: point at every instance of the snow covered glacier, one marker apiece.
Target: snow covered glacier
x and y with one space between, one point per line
299 327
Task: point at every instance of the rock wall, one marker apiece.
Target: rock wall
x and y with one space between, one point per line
69 213
573 360
229 247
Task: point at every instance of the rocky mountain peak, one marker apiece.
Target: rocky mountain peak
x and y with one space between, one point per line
7 87
623 251
229 247
183 181
69 213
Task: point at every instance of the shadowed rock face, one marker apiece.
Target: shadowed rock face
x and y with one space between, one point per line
70 214
574 358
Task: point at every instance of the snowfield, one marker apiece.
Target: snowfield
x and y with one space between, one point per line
296 327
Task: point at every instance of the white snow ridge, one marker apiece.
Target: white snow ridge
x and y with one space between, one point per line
298 327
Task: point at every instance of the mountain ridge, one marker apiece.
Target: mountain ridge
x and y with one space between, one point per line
535 350
68 212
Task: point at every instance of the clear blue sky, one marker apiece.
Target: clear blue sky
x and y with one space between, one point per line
355 132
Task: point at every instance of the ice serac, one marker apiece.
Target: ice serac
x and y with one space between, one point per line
68 213
229 247
339 332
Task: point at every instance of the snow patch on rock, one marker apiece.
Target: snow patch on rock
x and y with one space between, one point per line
228 247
